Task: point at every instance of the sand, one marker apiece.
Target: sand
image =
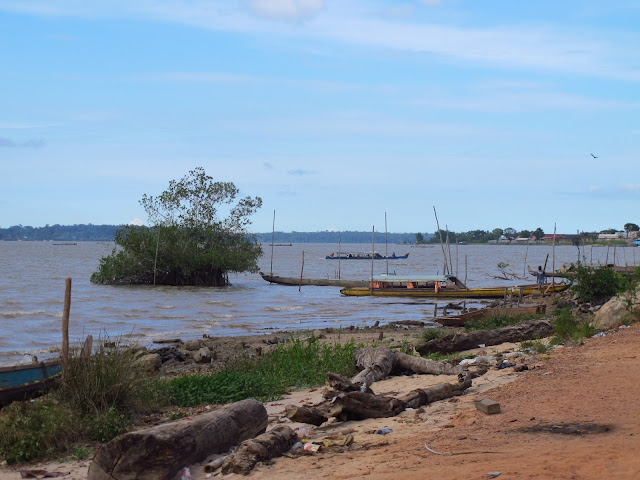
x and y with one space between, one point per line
573 415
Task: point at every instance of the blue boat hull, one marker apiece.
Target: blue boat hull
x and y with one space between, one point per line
21 382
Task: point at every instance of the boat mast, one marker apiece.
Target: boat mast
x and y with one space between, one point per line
373 232
339 248
273 230
386 242
444 254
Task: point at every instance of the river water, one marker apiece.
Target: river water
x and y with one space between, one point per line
32 284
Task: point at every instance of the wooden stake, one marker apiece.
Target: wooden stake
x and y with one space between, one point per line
65 320
373 233
301 270
553 261
155 261
339 254
524 267
386 242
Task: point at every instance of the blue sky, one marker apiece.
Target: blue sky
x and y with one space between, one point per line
334 112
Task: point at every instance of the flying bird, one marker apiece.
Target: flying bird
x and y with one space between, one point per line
593 156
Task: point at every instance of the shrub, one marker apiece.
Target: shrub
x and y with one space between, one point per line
594 284
569 328
34 430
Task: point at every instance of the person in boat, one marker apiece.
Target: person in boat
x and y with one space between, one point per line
540 276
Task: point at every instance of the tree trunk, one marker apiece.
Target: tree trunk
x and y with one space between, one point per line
159 453
468 341
356 405
377 364
424 365
264 447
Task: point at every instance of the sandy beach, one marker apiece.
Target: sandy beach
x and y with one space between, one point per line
572 414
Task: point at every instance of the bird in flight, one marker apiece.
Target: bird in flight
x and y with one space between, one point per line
593 156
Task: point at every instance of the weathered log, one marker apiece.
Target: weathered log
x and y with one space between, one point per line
158 453
425 396
354 405
377 364
264 447
467 341
424 365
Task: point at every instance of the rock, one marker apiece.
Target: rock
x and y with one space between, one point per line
203 355
610 315
150 362
192 345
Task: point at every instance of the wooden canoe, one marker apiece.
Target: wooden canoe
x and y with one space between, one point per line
321 282
462 319
483 292
20 382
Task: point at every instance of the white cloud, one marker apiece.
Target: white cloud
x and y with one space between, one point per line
288 10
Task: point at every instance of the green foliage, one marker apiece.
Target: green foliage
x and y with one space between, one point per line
298 363
110 380
35 430
432 333
536 346
97 399
569 328
499 320
189 244
594 284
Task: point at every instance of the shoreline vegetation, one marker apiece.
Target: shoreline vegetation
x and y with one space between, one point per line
120 388
107 233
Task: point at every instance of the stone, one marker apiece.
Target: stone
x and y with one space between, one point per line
151 362
610 315
488 406
192 345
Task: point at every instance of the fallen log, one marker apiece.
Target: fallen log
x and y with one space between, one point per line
356 405
158 453
264 447
467 341
379 363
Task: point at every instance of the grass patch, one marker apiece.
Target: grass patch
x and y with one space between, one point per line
432 333
499 320
297 364
569 328
98 397
536 346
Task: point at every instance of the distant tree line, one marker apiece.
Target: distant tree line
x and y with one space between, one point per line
335 237
63 233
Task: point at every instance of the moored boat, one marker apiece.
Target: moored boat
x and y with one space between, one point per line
322 282
365 256
20 382
443 286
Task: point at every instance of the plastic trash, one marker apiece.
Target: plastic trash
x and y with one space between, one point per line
186 474
297 446
384 431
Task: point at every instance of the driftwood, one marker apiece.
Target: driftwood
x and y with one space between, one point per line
357 405
379 363
158 453
467 341
264 447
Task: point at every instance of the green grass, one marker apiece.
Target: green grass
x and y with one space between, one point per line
569 328
536 346
296 364
499 320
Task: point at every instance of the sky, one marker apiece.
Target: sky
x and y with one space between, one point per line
337 113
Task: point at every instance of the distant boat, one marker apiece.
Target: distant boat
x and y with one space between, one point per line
321 282
64 243
444 286
281 244
21 382
366 256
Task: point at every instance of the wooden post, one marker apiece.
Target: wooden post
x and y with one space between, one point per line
373 233
435 310
155 261
520 296
606 262
450 266
524 267
614 255
465 271
301 269
339 248
65 320
553 260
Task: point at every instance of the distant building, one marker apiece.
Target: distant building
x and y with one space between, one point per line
610 236
560 238
524 240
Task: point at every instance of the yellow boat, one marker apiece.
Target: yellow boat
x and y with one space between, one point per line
443 286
